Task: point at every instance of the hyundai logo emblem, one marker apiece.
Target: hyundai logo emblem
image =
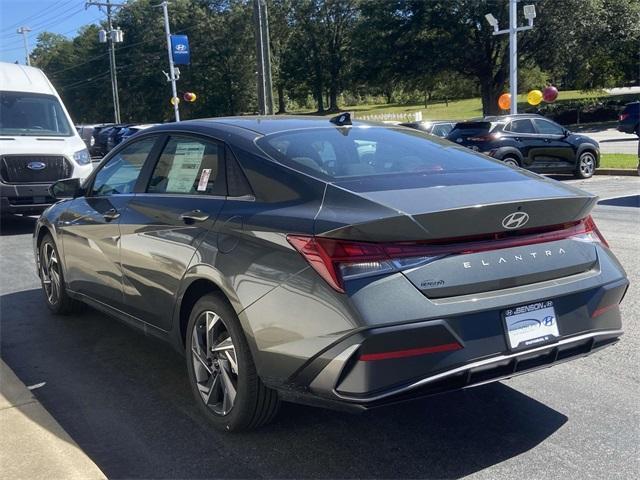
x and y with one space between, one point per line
181 47
36 165
515 220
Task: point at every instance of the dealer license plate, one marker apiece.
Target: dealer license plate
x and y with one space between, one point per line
531 325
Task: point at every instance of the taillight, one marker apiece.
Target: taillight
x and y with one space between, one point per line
624 116
339 260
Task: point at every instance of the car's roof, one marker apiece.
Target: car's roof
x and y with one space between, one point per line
268 124
497 118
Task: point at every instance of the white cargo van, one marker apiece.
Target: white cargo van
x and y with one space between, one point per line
38 142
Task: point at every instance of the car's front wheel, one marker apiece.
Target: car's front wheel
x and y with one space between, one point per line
511 161
221 371
586 165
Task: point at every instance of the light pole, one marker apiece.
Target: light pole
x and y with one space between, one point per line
24 31
529 14
112 37
263 56
174 73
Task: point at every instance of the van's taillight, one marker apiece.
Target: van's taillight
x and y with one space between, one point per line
339 260
624 116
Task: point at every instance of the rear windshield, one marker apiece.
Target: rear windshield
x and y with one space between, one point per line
32 114
333 153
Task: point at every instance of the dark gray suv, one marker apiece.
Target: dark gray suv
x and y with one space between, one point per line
339 264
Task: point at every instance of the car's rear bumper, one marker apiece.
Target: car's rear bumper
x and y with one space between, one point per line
344 376
628 127
25 198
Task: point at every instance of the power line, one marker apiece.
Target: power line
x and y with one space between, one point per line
30 18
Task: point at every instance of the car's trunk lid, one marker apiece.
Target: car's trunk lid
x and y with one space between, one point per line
466 208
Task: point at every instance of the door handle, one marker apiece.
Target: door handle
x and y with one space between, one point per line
194 216
111 214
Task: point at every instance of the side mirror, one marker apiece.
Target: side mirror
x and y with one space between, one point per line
67 188
566 133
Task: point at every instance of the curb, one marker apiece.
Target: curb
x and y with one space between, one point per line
625 172
33 445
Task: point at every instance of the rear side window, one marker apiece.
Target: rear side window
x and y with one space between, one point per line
331 153
189 166
521 126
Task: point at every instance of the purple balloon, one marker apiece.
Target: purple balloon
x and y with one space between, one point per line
549 94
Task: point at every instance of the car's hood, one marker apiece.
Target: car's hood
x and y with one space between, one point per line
23 145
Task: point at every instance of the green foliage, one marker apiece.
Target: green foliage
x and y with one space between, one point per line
410 54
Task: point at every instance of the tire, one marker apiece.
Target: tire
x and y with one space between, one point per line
586 165
52 279
511 161
214 377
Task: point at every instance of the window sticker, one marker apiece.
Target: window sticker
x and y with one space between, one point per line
204 179
186 165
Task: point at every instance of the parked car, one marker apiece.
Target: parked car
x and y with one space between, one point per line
39 144
102 137
439 128
89 134
115 135
130 131
532 142
629 120
322 261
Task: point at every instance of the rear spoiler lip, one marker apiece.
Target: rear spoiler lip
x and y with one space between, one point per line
423 234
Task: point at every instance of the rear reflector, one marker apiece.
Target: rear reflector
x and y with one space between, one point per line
412 352
602 310
338 260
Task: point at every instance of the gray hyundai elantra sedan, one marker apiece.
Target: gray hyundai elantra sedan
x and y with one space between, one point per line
342 264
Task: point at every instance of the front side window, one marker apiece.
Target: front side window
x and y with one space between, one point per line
32 114
120 174
521 126
548 128
331 153
189 166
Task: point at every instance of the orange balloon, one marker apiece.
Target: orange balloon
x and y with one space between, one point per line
504 102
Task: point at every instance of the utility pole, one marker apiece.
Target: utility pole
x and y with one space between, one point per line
173 72
263 55
24 31
111 37
529 14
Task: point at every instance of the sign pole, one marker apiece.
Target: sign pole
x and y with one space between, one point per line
172 74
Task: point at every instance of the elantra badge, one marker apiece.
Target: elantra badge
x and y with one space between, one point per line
36 166
515 220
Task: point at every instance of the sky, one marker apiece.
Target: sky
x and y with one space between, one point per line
57 16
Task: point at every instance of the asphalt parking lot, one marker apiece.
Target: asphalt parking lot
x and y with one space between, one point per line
124 397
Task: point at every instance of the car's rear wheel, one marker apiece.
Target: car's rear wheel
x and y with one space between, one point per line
52 278
586 165
511 161
222 374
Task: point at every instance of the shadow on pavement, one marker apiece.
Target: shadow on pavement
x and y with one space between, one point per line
16 225
124 399
628 201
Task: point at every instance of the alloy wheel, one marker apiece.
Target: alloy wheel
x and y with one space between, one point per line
215 363
587 164
511 162
50 273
